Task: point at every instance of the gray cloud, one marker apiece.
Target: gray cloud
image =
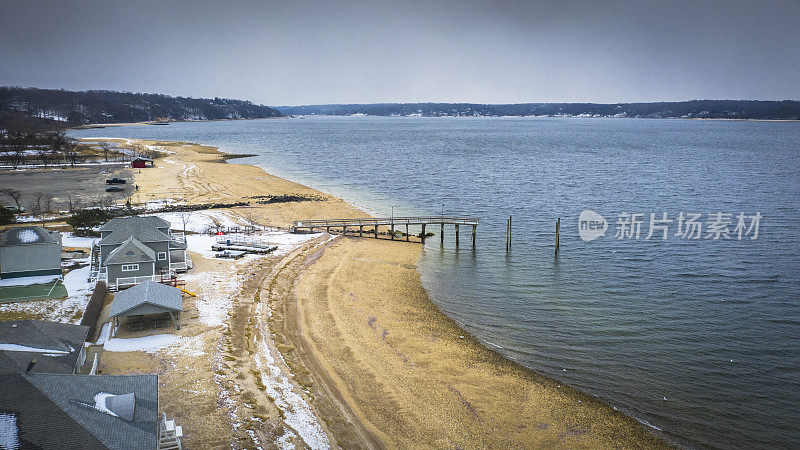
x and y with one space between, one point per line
337 52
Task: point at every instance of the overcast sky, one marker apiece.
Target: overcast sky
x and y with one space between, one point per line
292 52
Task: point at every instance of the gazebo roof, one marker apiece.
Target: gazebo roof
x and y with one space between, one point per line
149 292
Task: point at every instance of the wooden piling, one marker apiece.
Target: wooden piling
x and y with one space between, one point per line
407 235
392 231
376 232
474 232
508 234
456 235
423 233
360 230
344 229
441 235
558 230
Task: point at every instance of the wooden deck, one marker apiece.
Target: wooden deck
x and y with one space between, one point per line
373 223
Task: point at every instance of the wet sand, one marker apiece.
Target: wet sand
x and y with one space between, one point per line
379 363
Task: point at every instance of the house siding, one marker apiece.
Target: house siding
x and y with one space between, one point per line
146 309
34 259
115 271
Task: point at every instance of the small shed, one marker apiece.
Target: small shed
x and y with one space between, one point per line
147 301
142 162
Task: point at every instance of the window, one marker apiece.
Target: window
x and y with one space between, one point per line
130 267
162 256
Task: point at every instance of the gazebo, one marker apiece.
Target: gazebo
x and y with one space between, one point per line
147 300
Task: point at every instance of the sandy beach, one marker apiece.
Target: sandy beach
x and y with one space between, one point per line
335 342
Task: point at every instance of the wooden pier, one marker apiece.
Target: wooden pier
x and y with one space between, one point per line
372 225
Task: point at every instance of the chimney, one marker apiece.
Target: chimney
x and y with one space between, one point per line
30 366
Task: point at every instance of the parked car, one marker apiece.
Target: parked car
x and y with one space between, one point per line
115 181
114 189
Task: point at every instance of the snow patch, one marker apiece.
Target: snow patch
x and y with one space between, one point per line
189 346
100 403
9 437
27 236
22 348
27 281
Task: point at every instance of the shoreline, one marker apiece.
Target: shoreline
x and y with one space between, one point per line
307 350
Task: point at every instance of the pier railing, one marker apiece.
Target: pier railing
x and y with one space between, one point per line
391 222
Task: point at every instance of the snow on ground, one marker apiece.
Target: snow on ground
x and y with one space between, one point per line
27 281
183 345
197 221
105 333
298 413
214 292
286 242
70 240
69 310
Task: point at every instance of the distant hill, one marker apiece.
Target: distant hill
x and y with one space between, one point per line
699 109
85 107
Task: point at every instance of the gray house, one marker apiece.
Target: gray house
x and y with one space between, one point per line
55 347
29 252
40 410
132 249
147 300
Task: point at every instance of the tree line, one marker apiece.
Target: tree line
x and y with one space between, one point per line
87 107
697 109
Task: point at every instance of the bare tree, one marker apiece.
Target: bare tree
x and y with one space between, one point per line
71 152
185 217
15 195
47 202
216 225
105 147
35 203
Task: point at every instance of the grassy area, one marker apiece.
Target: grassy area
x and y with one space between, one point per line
46 291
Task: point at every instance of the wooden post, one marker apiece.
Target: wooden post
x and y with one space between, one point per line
508 234
474 231
392 230
441 235
328 229
423 233
344 229
376 231
360 230
558 230
456 235
407 236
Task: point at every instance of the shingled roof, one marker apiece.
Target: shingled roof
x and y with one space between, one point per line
29 236
139 227
130 251
55 346
116 222
72 411
148 292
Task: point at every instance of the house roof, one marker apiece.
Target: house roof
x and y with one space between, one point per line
158 222
72 411
114 223
149 292
55 346
29 236
130 251
124 227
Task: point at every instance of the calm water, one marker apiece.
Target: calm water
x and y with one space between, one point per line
698 338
